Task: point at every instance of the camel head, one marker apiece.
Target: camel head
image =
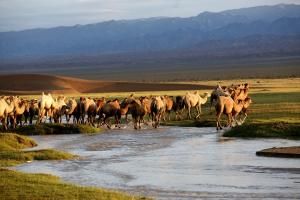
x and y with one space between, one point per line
206 94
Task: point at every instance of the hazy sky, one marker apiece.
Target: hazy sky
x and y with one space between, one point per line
26 14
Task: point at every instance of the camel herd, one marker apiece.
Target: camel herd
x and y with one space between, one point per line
231 101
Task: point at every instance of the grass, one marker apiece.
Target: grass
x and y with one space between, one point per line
18 185
47 129
266 130
11 153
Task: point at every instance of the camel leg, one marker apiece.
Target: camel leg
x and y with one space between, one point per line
108 126
140 119
246 115
198 114
3 121
135 121
189 112
218 121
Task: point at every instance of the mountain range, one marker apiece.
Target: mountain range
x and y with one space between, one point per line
248 32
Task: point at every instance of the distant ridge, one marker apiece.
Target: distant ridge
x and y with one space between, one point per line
215 45
31 84
151 34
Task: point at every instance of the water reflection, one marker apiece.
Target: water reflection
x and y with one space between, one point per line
174 163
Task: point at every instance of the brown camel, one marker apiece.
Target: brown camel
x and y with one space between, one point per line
240 94
138 111
169 105
124 107
72 104
178 107
111 109
146 102
18 113
247 103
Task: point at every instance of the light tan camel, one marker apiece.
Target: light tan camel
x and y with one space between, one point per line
158 108
5 108
146 102
46 104
227 106
195 100
90 109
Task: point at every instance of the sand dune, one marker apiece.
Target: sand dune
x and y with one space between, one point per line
30 84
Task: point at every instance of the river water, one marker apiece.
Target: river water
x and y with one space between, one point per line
174 163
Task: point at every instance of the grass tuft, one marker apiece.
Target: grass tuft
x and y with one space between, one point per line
266 130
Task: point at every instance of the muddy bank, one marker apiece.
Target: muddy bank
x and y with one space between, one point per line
285 152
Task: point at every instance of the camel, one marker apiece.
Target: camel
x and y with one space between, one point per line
18 112
138 111
59 108
218 91
178 107
247 103
33 110
46 104
169 105
111 109
195 100
100 103
90 109
12 104
79 113
240 94
7 105
146 102
124 107
158 108
72 104
227 106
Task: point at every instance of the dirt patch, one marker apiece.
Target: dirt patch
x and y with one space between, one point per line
287 152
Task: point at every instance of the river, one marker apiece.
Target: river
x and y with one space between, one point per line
173 163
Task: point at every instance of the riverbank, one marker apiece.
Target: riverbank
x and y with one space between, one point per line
284 152
55 129
266 130
18 185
